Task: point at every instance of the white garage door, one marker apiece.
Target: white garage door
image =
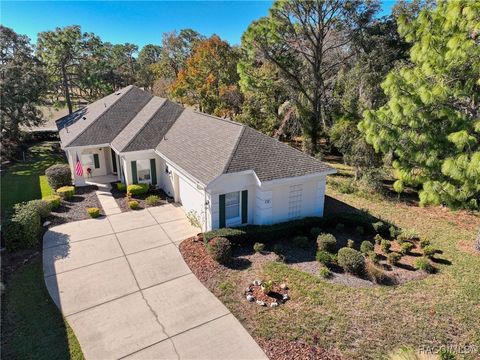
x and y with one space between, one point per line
190 197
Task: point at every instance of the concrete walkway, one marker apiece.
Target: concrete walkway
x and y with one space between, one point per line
108 202
124 288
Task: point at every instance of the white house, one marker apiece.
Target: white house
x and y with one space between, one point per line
226 172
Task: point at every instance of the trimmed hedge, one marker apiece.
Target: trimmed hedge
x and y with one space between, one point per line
132 204
58 175
366 247
54 200
93 212
121 187
220 250
43 207
22 230
66 192
326 242
351 260
137 189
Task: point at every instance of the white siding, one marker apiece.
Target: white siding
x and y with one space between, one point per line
191 198
127 163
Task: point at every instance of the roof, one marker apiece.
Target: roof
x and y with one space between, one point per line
205 146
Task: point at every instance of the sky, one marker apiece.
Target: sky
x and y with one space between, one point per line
137 22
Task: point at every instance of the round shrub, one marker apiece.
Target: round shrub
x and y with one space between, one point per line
393 232
366 247
324 272
326 242
406 248
302 242
137 189
121 187
259 247
44 208
93 212
394 258
220 249
314 232
152 200
324 257
58 175
380 228
133 204
22 230
424 243
378 239
350 243
66 192
53 200
429 251
385 245
351 260
424 265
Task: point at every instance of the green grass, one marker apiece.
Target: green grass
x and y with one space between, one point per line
33 327
26 181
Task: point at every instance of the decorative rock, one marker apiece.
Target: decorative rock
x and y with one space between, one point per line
250 298
261 303
248 289
274 304
257 282
46 223
283 286
285 297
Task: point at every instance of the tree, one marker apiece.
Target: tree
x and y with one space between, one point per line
64 52
210 78
22 84
431 121
147 58
308 41
124 64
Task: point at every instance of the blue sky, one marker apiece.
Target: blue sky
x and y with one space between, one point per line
137 22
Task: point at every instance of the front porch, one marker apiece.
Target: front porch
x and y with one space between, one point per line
101 181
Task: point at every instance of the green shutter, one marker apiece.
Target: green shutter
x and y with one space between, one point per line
134 172
96 161
244 206
222 211
114 160
153 170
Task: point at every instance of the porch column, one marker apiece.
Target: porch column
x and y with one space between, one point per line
72 159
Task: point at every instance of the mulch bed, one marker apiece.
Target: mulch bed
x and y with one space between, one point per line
75 209
198 260
274 296
279 349
122 201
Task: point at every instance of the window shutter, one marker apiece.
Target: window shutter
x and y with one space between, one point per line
114 160
222 223
134 172
96 161
153 170
244 206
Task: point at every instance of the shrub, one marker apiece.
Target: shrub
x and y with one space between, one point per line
406 248
375 274
424 243
378 239
340 227
121 187
220 250
360 230
351 260
424 265
380 228
302 242
324 257
429 251
324 272
137 189
133 204
259 247
407 234
152 200
393 232
54 200
314 232
366 247
22 229
372 255
66 192
350 243
93 212
385 245
267 286
44 208
394 258
278 249
58 175
326 242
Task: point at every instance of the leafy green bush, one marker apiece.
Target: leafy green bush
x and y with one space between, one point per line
58 175
324 272
152 200
424 243
380 228
259 247
351 260
372 255
366 247
324 257
66 192
393 231
429 251
22 230
133 204
406 248
314 232
54 200
378 239
44 208
424 265
326 242
385 245
394 258
350 243
220 250
267 286
121 187
137 189
93 212
407 234
301 242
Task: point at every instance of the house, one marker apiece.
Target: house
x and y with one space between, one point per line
224 171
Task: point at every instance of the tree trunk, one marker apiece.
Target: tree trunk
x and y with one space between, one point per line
66 90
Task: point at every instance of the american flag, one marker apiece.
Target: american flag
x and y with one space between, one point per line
78 167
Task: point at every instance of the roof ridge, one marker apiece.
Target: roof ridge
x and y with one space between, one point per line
219 118
230 158
107 109
146 122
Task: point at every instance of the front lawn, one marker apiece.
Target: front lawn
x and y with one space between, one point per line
26 181
369 322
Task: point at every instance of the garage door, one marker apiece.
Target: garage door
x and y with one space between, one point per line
190 197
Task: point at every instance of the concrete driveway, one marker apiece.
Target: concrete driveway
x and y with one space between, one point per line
124 288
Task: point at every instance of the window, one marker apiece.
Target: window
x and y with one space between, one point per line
295 201
232 206
143 171
87 161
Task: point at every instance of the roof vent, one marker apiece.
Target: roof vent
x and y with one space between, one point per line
84 118
105 104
